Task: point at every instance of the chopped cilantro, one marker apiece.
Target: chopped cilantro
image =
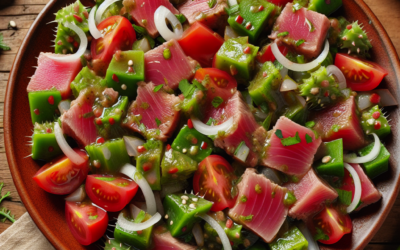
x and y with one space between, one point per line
290 199
157 88
140 217
181 18
142 127
289 141
320 235
212 3
238 147
300 42
246 218
283 34
308 138
199 85
160 39
93 217
158 122
3 46
311 27
278 133
344 196
186 88
142 33
335 128
310 124
210 121
217 101
243 198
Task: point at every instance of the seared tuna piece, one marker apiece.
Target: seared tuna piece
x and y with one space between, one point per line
301 25
260 205
54 74
245 129
169 71
311 193
153 114
163 240
199 10
143 13
369 193
340 121
294 159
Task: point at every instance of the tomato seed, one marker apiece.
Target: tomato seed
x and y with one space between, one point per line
51 100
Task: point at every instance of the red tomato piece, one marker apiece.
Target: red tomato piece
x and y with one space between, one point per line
120 36
214 179
266 54
280 3
61 176
201 43
361 75
87 223
332 223
109 192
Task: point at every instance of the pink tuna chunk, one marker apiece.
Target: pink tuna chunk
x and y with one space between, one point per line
152 107
295 23
245 129
341 118
143 13
78 121
311 193
163 240
369 193
199 10
265 203
168 71
53 74
295 159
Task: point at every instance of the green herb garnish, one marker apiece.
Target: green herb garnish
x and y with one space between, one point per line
246 218
308 138
212 3
238 147
158 122
283 34
344 196
217 101
210 121
140 217
289 141
278 133
300 42
320 235
157 88
310 124
181 18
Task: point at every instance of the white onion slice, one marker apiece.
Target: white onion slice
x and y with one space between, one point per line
284 72
211 130
312 244
130 171
297 66
387 99
78 195
64 106
226 245
242 152
82 46
232 2
301 100
73 156
357 188
229 33
131 144
144 45
366 158
132 226
288 84
198 235
332 69
160 16
159 205
364 102
92 24
103 7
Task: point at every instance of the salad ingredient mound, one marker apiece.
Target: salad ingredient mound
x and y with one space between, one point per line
209 124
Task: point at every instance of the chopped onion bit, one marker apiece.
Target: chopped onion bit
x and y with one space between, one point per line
232 2
242 151
198 235
73 156
130 171
132 226
78 195
211 130
131 145
366 158
357 188
160 16
103 7
226 245
333 70
288 84
92 24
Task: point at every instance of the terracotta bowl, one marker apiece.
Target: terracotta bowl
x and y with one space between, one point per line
47 210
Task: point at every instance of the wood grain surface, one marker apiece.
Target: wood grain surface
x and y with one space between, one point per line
24 12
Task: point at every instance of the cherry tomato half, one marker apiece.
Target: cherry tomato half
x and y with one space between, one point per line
332 223
110 193
87 223
214 178
266 53
118 35
361 75
220 83
61 176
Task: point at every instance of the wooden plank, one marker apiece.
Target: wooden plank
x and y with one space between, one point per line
6 62
16 208
4 76
23 22
21 10
13 38
30 2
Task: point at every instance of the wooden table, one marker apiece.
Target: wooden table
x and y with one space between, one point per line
24 12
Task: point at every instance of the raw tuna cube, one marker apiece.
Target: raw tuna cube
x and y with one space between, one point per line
260 205
295 159
168 71
153 114
311 193
369 193
340 121
143 13
303 24
163 240
53 74
78 121
199 10
245 129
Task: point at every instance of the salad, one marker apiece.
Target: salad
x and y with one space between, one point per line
209 124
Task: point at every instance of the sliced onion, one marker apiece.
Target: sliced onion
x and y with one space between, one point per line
133 227
366 158
198 235
103 7
312 244
78 195
73 156
160 16
211 130
229 33
144 45
82 46
130 171
386 100
92 24
232 2
64 106
357 188
226 245
301 100
284 72
242 152
297 66
159 205
131 144
288 84
332 69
